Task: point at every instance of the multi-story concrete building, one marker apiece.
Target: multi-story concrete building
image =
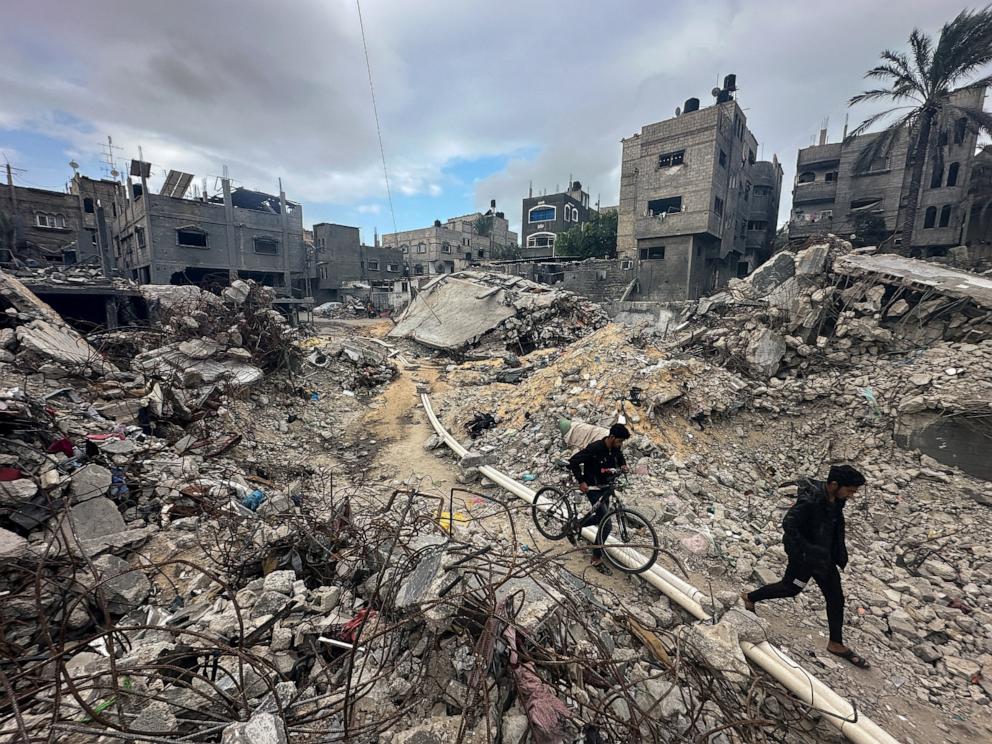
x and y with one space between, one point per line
166 238
454 245
831 195
545 217
345 267
60 227
686 200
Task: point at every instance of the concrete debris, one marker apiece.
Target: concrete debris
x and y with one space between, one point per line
467 308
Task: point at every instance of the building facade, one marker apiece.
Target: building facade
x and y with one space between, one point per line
546 217
831 195
687 202
169 239
455 244
346 268
57 227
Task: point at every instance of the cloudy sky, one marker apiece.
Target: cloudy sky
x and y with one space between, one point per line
476 99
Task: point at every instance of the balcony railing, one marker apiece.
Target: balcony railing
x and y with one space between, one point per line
820 154
814 191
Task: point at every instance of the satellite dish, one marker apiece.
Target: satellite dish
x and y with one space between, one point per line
715 92
74 165
678 110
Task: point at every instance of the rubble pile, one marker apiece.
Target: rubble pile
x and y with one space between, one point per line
471 308
816 306
68 275
719 433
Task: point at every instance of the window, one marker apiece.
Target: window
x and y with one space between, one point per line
466 241
567 214
482 253
930 217
942 138
139 234
945 216
652 254
421 248
669 159
446 247
806 177
191 237
960 129
88 205
418 270
664 206
718 205
575 214
405 287
626 265
863 205
762 190
541 240
541 213
826 214
750 157
757 225
267 246
831 176
723 158
937 177
747 190
952 174
404 248
373 265
392 268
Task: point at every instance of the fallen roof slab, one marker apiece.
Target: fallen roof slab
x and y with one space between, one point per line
920 274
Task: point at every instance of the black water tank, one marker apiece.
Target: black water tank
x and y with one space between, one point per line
723 96
730 82
691 104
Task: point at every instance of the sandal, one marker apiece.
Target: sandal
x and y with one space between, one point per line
858 661
603 569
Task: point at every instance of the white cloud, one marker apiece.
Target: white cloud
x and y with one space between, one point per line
282 91
369 208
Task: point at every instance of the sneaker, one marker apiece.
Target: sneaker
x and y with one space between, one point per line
603 568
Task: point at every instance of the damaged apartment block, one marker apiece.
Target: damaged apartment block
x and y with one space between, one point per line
696 207
166 238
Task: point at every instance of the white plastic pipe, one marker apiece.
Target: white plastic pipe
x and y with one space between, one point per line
812 691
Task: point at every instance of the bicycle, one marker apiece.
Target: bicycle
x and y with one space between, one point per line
555 515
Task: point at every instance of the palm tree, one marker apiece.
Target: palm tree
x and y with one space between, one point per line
922 86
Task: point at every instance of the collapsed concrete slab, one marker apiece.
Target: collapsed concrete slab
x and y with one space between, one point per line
921 275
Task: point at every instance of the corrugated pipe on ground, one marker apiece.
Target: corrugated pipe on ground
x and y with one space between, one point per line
836 709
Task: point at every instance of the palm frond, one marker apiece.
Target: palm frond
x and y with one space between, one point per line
977 121
922 48
872 120
881 145
964 46
881 93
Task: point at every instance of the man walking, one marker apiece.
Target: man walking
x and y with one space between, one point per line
594 468
814 542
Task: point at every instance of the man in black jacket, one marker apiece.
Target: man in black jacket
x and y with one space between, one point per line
592 468
814 542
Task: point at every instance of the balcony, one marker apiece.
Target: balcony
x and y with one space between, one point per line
816 191
820 154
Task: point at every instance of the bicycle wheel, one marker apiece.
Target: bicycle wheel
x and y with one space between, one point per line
552 512
633 530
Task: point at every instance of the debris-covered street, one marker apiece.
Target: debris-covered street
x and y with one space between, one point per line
219 526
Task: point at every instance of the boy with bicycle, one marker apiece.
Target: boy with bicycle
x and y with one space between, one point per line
593 467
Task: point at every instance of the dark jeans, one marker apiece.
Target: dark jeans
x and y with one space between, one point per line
600 499
797 575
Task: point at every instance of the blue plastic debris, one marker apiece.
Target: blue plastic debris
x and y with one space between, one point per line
254 499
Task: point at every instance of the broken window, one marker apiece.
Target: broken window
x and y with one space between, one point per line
664 206
830 176
626 265
757 225
541 240
945 216
421 248
482 253
937 177
404 249
392 268
718 205
373 265
139 234
418 270
267 246
541 213
952 174
960 129
88 205
723 158
930 217
445 247
826 214
191 237
806 177
762 190
652 254
668 159
866 204
750 156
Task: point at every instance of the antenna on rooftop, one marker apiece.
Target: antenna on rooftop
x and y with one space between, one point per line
108 159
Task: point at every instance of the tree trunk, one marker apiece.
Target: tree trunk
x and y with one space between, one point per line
918 160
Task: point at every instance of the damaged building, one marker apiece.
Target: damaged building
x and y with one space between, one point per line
455 244
42 226
167 238
345 267
696 206
832 194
